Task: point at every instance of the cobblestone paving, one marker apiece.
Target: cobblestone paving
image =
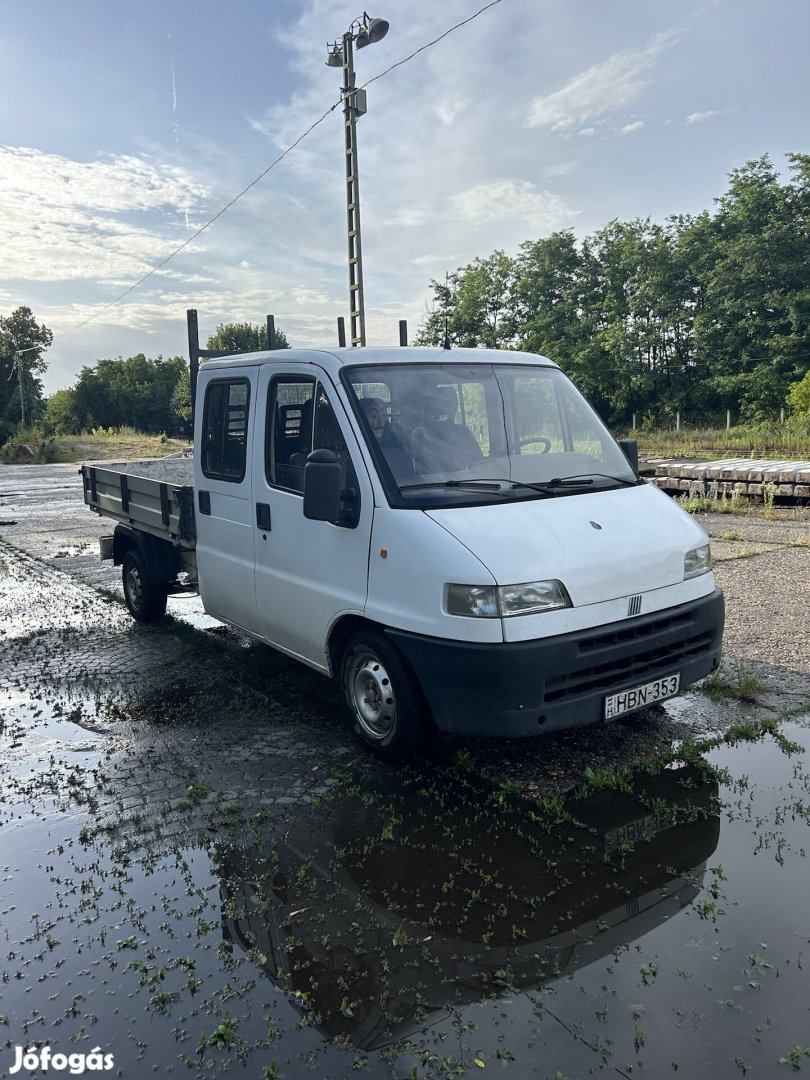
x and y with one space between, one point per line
136 762
156 709
207 696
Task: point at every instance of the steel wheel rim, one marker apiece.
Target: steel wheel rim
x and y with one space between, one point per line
375 704
134 587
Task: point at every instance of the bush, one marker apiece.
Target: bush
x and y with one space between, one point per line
28 448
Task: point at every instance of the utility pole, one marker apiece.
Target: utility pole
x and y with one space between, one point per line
364 31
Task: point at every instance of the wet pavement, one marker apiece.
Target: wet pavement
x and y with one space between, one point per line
200 873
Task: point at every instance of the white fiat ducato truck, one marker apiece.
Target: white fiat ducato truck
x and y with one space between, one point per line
454 534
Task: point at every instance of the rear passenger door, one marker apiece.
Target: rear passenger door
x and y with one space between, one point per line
308 573
222 483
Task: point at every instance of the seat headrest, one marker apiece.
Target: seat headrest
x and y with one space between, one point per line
441 404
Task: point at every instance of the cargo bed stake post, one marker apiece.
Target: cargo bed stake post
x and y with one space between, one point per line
195 353
193 358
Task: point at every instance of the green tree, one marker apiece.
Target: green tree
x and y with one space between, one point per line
750 327
798 399
59 416
22 344
475 307
244 337
136 391
698 314
181 400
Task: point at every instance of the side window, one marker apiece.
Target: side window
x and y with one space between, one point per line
225 422
300 419
328 436
288 442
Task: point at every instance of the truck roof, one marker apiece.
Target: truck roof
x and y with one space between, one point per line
334 359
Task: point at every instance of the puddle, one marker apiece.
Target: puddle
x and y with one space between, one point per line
72 552
425 923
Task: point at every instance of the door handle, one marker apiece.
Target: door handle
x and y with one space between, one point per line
263 516
204 501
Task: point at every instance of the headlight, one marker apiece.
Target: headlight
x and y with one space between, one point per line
503 601
697 561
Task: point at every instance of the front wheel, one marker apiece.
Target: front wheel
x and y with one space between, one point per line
385 702
146 600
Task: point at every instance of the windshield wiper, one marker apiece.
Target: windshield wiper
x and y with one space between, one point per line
488 483
495 484
583 479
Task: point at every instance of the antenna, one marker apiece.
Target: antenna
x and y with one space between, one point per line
446 343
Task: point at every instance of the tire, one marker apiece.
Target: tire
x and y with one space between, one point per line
388 712
145 599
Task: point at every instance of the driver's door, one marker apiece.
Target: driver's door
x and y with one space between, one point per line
308 573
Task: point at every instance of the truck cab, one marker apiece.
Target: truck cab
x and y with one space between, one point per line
454 534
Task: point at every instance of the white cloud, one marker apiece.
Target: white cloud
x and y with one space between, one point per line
699 117
501 200
449 111
628 129
551 172
427 260
408 216
613 84
104 220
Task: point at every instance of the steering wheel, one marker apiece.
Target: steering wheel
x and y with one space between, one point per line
536 439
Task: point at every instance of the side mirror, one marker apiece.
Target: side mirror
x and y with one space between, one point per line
322 486
630 450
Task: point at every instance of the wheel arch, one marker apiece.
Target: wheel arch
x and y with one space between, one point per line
160 560
345 627
340 633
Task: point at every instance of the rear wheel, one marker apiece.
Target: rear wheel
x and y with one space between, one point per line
145 599
384 699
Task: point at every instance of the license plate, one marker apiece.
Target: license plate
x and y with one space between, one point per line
627 700
633 832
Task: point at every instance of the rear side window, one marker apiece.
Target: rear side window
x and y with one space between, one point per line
225 423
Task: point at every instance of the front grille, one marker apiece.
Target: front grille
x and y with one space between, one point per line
603 661
635 631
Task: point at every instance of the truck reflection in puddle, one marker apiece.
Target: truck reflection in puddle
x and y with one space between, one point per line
380 910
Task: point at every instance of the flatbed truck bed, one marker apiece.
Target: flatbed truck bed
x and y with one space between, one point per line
154 495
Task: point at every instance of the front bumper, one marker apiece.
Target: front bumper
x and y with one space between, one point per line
514 689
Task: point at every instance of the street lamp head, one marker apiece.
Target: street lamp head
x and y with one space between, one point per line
372 30
334 58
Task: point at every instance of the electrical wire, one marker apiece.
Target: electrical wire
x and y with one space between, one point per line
272 165
435 41
202 228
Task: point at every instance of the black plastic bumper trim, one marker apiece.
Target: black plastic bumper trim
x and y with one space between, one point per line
514 689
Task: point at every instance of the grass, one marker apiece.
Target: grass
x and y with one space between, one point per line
714 502
743 685
744 440
103 444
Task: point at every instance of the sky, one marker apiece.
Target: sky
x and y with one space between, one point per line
126 125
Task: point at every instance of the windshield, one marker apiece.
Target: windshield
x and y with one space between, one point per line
445 434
